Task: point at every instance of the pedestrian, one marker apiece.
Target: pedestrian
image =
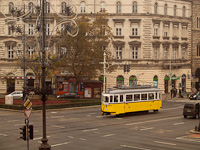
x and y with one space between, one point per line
180 96
172 92
175 92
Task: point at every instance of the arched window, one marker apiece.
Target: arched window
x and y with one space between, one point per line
47 7
165 9
184 11
118 7
83 7
103 8
155 81
11 7
156 8
30 7
120 80
63 7
183 79
133 80
134 7
175 12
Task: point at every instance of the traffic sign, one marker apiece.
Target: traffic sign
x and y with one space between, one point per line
28 113
28 104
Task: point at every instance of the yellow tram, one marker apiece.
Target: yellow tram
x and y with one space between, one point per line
125 100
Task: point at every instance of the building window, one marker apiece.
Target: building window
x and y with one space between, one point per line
120 80
183 52
198 50
30 29
10 52
47 29
63 7
155 53
155 81
175 12
10 29
175 50
11 7
133 80
165 52
118 7
103 8
175 30
166 30
134 7
135 29
156 27
118 31
83 7
156 8
118 52
134 52
165 9
184 11
30 7
47 7
198 22
30 50
184 31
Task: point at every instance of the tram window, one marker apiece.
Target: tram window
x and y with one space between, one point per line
136 97
111 99
129 98
143 96
106 99
121 98
116 98
151 96
157 96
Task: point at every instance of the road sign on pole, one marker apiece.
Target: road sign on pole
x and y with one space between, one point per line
28 104
28 113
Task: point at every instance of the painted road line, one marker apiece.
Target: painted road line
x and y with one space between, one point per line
19 125
146 129
39 138
133 147
3 134
13 120
53 112
82 139
61 127
90 130
172 108
71 137
56 116
187 139
178 123
164 143
156 120
60 144
107 135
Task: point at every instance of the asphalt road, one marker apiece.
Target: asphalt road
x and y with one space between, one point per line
86 129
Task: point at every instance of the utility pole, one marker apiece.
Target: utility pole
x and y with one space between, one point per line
104 72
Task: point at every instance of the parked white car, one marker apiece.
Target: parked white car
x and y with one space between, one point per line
17 94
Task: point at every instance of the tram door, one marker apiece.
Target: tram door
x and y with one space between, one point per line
10 85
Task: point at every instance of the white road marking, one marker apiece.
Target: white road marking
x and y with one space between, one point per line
53 112
61 127
60 144
165 143
186 139
71 137
134 147
90 130
178 123
56 116
19 125
118 118
172 108
108 135
39 138
13 120
3 134
156 120
82 139
99 116
146 129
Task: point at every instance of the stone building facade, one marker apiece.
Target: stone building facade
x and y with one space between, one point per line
152 36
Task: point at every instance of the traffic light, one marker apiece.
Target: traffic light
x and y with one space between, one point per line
30 131
23 133
128 68
125 69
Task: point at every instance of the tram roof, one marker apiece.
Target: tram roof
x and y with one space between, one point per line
137 90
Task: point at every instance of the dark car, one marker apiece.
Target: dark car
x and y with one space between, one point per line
191 110
195 96
69 95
